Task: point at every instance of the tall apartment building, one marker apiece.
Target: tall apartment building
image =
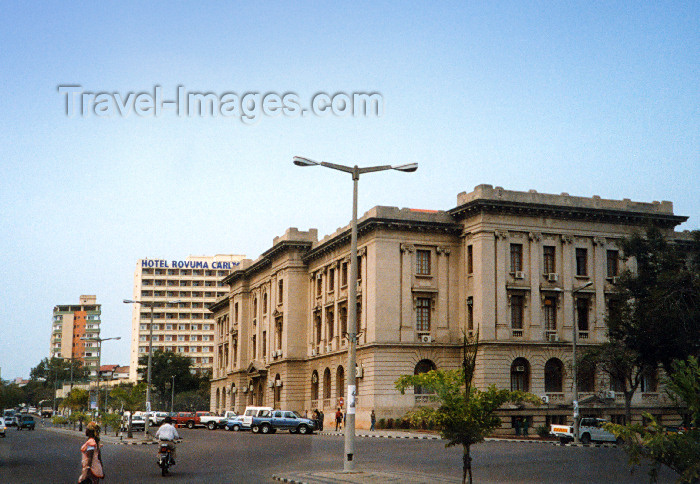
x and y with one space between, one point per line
73 322
514 266
179 292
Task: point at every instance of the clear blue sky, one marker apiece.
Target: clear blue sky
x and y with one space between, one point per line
579 97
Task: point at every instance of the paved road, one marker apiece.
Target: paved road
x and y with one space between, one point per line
220 456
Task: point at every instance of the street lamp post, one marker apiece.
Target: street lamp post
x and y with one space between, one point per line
577 415
99 358
149 305
172 395
355 172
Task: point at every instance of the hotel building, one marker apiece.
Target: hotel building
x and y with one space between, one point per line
73 322
178 293
504 263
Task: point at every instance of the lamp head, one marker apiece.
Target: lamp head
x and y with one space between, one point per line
408 168
301 161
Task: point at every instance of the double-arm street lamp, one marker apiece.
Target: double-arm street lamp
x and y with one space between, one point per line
149 305
99 359
355 172
574 323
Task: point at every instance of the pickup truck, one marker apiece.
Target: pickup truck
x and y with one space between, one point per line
270 422
590 429
213 422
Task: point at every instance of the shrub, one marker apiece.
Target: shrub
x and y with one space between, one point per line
542 431
381 423
390 423
59 420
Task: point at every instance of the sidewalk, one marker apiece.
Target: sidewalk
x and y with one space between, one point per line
361 477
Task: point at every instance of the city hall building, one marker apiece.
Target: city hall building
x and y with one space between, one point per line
510 265
178 292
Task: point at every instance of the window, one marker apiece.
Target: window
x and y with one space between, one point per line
550 313
182 327
340 382
516 312
470 313
516 257
581 262
330 321
168 327
319 284
423 366
280 291
582 314
344 274
586 378
613 263
255 307
331 280
548 253
314 385
343 322
423 262
317 323
359 267
553 376
264 343
235 312
470 259
423 314
520 375
327 383
649 381
264 303
254 346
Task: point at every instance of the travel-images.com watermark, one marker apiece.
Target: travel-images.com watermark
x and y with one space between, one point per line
249 107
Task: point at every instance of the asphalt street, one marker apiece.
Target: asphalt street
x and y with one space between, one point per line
47 456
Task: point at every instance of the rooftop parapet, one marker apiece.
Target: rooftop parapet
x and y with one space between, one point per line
488 192
293 234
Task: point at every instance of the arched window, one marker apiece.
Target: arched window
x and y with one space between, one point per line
343 324
218 397
553 376
423 366
233 396
327 383
586 378
340 382
520 375
223 400
314 385
264 308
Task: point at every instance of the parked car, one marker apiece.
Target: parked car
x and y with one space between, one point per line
270 422
156 418
251 412
2 428
25 422
236 424
590 429
9 421
186 419
138 423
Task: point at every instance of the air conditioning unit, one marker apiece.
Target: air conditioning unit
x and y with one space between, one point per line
358 371
234 390
552 277
270 384
519 275
609 394
519 369
245 389
278 383
425 338
329 348
545 398
313 352
552 338
615 279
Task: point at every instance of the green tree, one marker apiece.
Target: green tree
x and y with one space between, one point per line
660 313
679 451
130 398
112 420
52 370
464 415
165 365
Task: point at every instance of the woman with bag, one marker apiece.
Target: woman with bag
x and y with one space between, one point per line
91 456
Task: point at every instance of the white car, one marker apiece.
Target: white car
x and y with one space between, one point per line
2 428
9 421
590 429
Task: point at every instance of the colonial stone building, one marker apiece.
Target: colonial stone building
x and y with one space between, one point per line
516 266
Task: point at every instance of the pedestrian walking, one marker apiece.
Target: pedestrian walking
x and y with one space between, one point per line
372 421
338 420
320 419
91 456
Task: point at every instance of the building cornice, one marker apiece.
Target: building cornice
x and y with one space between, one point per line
375 223
626 217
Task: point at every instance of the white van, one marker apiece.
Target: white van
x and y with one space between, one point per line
251 412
